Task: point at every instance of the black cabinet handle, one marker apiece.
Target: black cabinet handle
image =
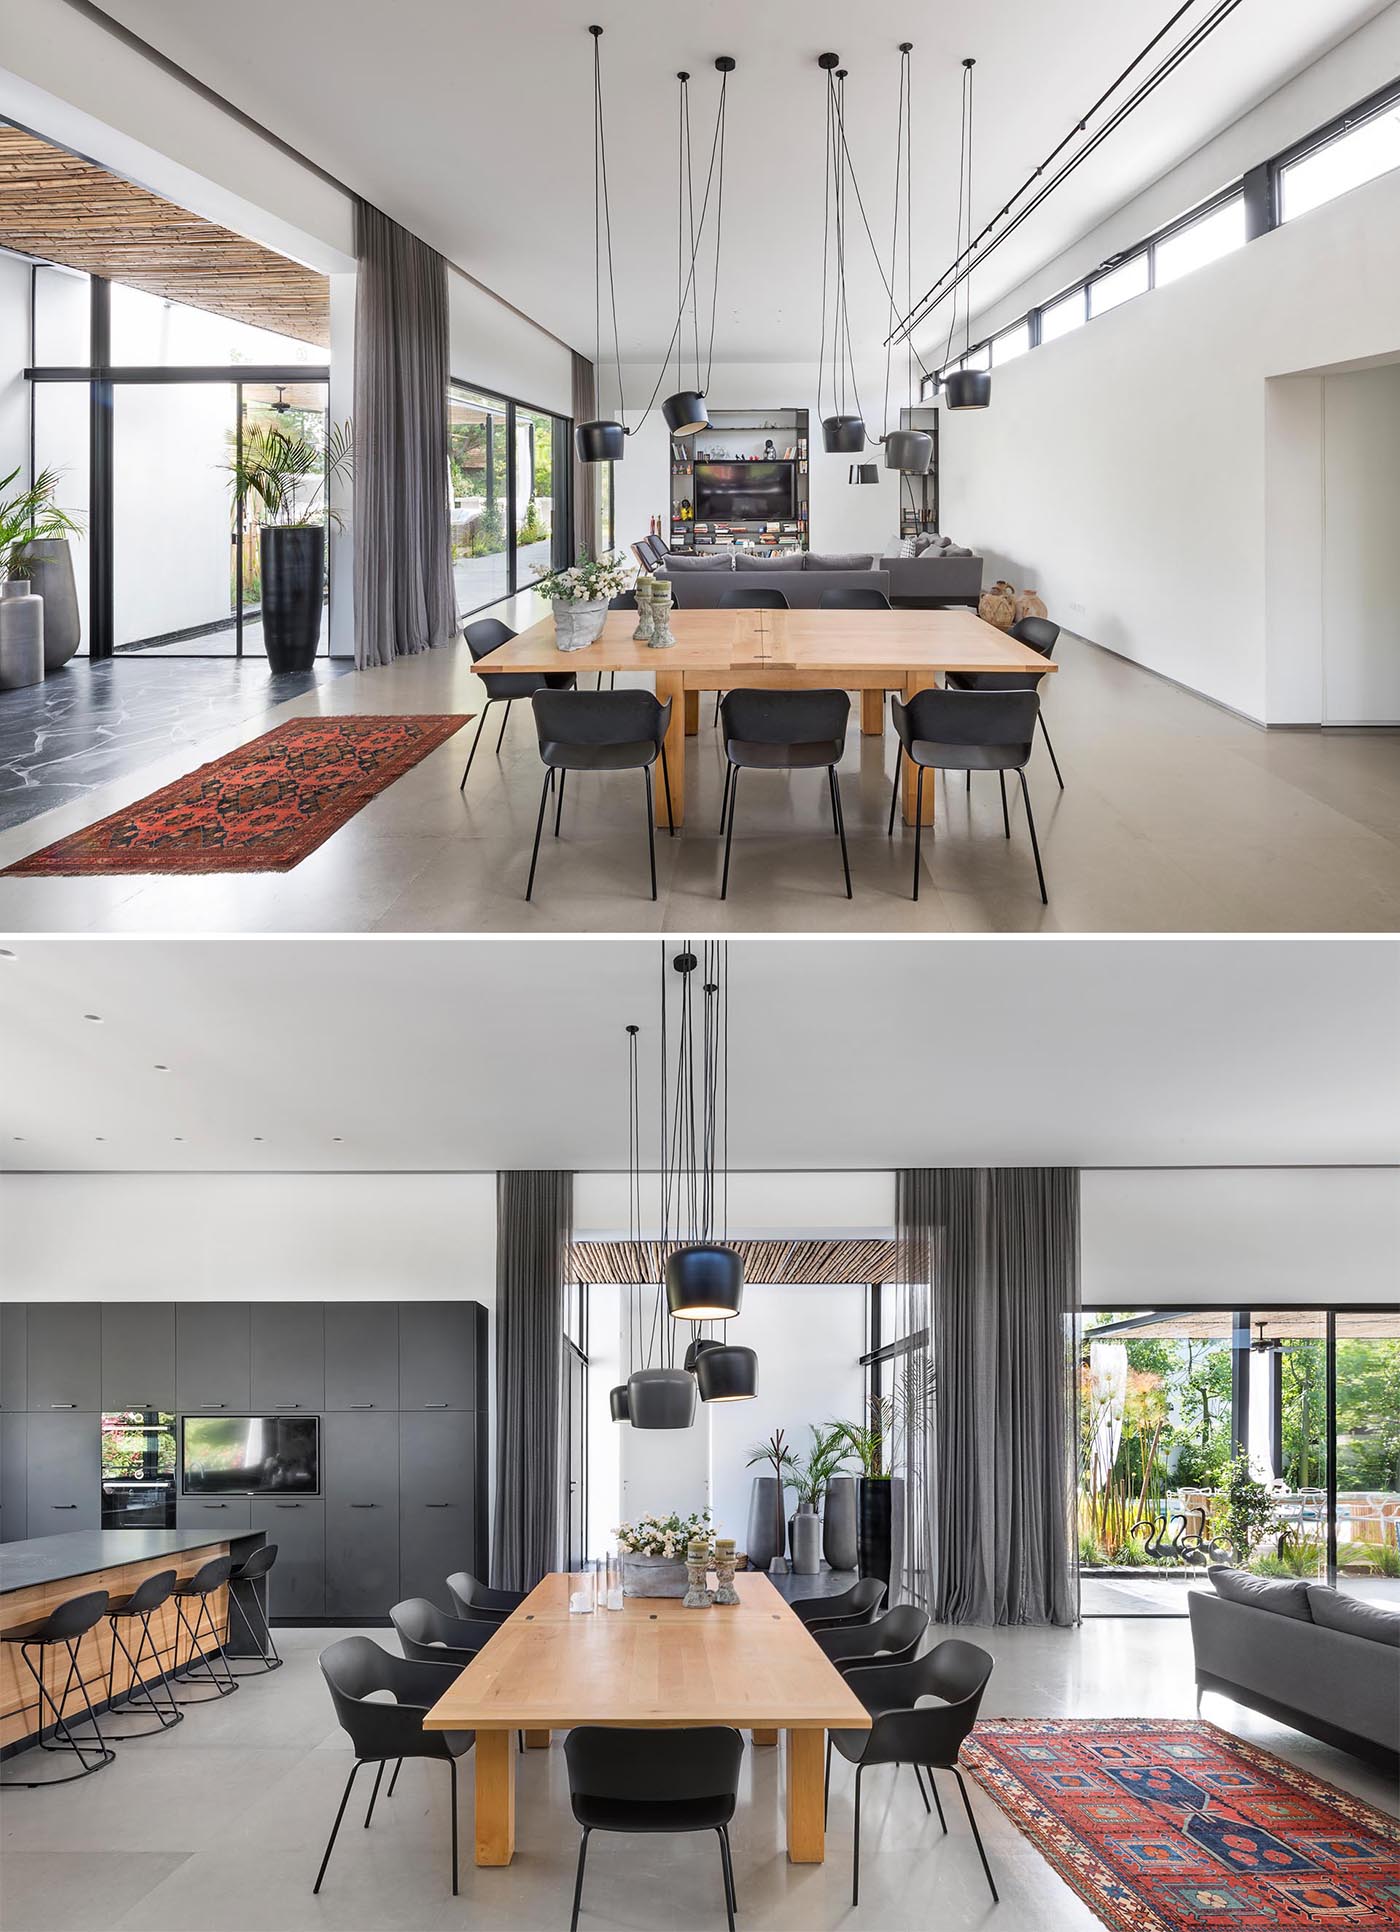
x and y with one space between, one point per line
213 1505
437 1505
63 1405
436 1405
63 1505
286 1505
361 1405
211 1405
289 1405
364 1505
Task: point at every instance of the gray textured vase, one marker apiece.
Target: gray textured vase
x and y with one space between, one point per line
576 625
765 1533
839 1523
653 1576
49 562
806 1543
21 636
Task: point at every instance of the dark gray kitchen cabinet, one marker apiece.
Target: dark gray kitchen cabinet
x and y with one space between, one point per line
438 1527
288 1350
296 1583
362 1355
212 1355
64 1490
65 1355
14 1355
138 1355
221 1516
14 1475
440 1354
360 1458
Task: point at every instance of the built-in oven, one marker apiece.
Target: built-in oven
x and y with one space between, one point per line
138 1469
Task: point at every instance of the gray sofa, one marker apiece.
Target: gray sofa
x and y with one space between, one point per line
1306 1655
941 575
942 572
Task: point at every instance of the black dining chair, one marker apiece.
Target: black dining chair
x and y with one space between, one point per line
355 1669
600 731
967 731
783 731
62 1629
856 1605
474 1600
928 1736
857 597
130 1616
742 598
503 687
891 1639
1041 635
429 1636
654 1781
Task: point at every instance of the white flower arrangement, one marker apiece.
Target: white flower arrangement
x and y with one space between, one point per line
588 580
664 1535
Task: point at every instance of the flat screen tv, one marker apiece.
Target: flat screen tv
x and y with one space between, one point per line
745 492
250 1454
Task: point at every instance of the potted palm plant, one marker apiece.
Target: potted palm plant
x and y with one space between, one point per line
282 478
811 1476
36 580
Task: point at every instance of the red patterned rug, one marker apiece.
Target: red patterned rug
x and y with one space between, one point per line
261 808
1169 1826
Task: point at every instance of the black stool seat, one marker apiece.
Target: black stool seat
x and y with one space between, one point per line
139 1607
205 1667
64 1628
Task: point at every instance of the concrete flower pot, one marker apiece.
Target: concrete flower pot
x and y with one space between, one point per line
49 561
653 1576
21 635
839 1523
576 625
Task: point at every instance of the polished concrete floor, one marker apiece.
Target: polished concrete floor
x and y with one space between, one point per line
220 1824
1176 817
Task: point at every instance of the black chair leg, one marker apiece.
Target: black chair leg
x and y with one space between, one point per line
500 738
666 787
938 1802
919 1779
267 1648
724 1871
969 781
539 827
724 801
378 1780
894 791
1050 748
729 829
855 1847
826 1782
651 828
394 1780
729 1865
1035 843
578 1881
967 1803
1005 815
840 818
166 1716
918 826
481 726
452 1768
559 803
330 1842
199 1665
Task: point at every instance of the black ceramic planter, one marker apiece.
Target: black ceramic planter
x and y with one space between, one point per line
293 582
873 1499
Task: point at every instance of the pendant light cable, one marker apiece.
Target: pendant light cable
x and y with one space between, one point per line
894 234
962 159
601 171
865 220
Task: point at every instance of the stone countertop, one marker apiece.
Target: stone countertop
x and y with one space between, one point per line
51 1559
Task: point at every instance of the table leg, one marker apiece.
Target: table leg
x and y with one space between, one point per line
692 713
872 714
912 684
806 1828
537 1740
671 684
495 1797
765 1737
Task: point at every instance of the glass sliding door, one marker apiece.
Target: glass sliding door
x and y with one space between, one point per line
479 471
534 496
1368 1455
299 411
172 552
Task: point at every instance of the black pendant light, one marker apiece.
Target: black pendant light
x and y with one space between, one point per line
661 1398
602 441
843 430
619 1404
698 1348
727 1373
704 1283
966 388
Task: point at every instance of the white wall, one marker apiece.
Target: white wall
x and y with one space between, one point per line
495 349
844 516
14 358
1244 1237
1122 470
1361 497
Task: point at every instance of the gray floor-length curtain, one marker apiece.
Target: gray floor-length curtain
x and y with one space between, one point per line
587 536
404 596
534 1225
999 1250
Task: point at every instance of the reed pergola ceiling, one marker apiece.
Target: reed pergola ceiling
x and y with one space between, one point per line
1217 1324
60 208
766 1263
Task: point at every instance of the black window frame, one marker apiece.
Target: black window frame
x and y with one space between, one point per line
561 441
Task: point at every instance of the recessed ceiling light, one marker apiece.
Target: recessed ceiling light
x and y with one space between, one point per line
257 1137
6 952
17 1136
337 1137
99 1137
96 1018
160 1067
177 1137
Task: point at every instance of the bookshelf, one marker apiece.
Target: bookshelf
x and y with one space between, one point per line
742 436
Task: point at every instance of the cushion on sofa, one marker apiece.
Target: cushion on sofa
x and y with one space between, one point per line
1279 1594
835 560
1338 1611
787 560
676 560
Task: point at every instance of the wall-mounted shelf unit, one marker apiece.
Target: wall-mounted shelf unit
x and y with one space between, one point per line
741 436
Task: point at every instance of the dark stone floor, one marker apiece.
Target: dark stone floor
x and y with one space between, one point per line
89 723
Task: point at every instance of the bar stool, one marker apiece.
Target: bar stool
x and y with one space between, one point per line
66 1627
140 1607
208 1578
252 1570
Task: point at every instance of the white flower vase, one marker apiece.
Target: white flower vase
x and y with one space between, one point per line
576 625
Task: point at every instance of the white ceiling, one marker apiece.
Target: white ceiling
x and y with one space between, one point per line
424 1054
472 125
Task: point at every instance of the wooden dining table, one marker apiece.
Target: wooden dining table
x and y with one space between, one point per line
870 651
651 1665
